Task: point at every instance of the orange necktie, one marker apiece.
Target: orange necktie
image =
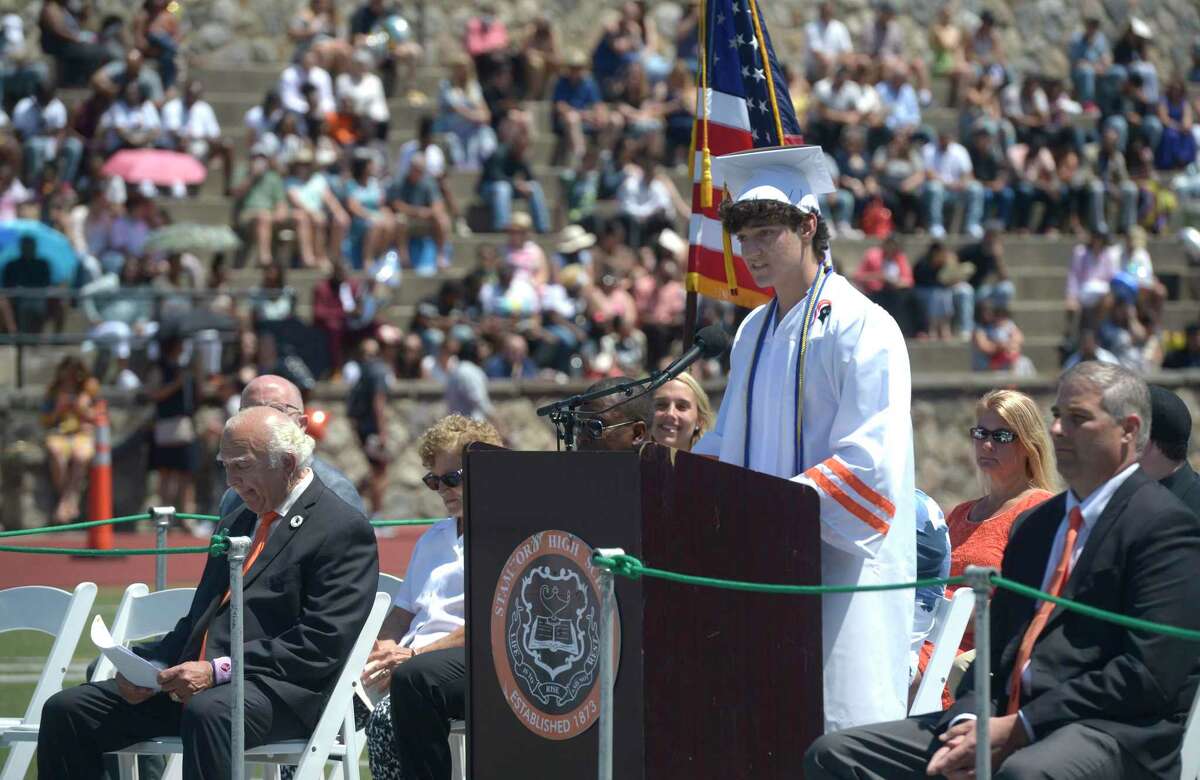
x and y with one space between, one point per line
1043 613
260 541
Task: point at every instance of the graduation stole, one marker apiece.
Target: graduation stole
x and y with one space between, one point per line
810 312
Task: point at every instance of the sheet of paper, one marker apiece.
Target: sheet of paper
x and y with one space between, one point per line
132 667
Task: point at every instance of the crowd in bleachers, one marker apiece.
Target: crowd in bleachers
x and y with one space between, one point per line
579 273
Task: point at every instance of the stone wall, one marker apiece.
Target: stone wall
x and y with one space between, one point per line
1035 31
941 413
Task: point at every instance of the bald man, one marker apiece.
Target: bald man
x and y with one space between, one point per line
310 580
283 396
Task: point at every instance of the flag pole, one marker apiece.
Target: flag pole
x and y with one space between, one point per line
689 318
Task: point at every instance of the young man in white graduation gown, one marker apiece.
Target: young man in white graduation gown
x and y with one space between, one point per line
822 354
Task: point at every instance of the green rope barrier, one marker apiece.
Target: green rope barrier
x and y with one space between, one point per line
417 521
86 553
57 529
188 516
631 567
1095 612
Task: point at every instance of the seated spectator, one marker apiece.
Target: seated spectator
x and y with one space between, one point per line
620 44
272 300
263 118
366 406
826 43
380 27
1089 57
364 90
422 224
40 122
682 413
156 34
948 48
1177 147
260 204
661 298
338 306
1036 175
574 247
1108 179
839 104
1188 354
131 123
507 174
991 170
29 271
950 181
306 69
68 416
855 177
512 361
941 286
524 255
314 205
1087 347
883 43
679 114
75 52
997 342
421 645
1135 115
464 117
985 50
1027 108
112 79
900 170
190 126
1115 725
902 111
885 276
1089 279
1072 187
467 385
579 108
640 106
981 110
538 58
372 224
647 201
1128 338
990 280
1137 273
292 633
344 125
485 38
1014 460
503 99
314 27
581 189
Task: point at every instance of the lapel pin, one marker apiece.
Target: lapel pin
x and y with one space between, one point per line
296 521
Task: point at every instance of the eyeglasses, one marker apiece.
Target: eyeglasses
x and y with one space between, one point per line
450 479
595 428
999 436
279 406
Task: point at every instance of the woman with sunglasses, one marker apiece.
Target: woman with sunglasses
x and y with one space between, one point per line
420 648
1014 458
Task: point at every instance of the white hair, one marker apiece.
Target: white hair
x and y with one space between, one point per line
284 437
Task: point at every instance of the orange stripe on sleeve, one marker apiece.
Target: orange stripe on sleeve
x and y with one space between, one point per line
848 503
851 479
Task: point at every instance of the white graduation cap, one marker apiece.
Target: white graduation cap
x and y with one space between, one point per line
789 174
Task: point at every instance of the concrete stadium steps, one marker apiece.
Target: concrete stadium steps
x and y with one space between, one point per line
257 78
943 357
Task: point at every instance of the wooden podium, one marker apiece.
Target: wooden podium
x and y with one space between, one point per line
710 683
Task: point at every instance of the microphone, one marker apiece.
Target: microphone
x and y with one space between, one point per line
710 342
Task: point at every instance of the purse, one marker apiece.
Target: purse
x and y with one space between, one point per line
174 431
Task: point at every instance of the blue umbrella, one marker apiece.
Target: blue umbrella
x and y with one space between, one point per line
52 246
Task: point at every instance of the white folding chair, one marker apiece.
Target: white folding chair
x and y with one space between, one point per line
308 756
1189 752
949 624
61 615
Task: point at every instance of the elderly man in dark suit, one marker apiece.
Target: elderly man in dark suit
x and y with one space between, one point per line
1073 696
1165 458
310 576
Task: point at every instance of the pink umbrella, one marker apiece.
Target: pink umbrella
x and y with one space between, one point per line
157 166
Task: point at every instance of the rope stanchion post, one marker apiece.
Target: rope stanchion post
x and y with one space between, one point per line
979 578
164 517
100 493
608 611
239 546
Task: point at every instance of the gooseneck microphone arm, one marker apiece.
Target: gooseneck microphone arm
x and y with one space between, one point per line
710 342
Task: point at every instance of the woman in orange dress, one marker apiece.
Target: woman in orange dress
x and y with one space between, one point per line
1015 462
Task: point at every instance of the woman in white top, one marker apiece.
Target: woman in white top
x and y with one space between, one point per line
427 614
365 91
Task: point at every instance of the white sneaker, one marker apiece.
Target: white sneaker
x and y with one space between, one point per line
937 231
975 231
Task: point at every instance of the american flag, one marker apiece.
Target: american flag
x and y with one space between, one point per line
742 72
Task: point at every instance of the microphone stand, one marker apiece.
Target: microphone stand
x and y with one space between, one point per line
564 414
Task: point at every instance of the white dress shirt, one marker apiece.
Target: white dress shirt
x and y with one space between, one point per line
433 588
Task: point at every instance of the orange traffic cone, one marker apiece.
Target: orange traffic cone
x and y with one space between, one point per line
100 502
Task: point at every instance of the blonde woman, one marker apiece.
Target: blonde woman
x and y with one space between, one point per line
1014 459
420 651
682 413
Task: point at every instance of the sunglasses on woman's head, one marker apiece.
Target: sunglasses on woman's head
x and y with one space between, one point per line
999 436
450 479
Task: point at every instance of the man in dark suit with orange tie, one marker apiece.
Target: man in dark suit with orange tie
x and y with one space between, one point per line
310 577
1072 696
